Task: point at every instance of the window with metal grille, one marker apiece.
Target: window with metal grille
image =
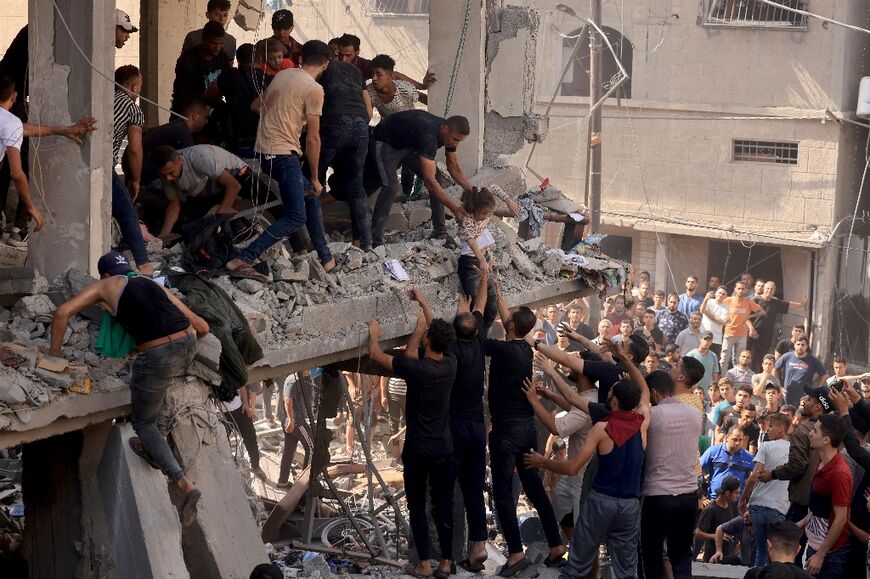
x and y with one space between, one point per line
752 14
766 152
396 7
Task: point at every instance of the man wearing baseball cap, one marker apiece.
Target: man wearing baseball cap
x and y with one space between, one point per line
123 28
704 354
165 333
282 26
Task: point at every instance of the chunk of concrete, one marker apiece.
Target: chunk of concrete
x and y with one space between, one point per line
522 262
143 526
38 308
249 286
12 256
208 351
284 270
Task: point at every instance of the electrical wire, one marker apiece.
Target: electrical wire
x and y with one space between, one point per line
97 70
812 15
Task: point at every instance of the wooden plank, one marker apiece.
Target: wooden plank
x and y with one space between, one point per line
286 506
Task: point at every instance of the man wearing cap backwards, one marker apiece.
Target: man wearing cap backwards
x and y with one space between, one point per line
705 355
165 332
123 28
802 457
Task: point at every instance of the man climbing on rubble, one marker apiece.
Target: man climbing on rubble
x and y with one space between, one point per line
427 455
165 332
199 173
412 138
292 102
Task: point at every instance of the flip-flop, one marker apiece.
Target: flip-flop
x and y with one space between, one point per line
413 573
248 273
555 563
188 507
139 448
511 570
472 567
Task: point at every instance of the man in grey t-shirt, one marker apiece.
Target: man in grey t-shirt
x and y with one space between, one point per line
767 501
200 171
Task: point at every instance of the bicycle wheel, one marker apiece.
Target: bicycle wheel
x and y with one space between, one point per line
341 534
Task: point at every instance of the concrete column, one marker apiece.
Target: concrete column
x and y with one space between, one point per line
71 183
223 542
143 525
445 29
163 26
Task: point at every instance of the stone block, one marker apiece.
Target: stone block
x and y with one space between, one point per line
208 351
396 220
522 262
418 213
285 270
535 127
57 380
144 530
249 286
12 256
38 308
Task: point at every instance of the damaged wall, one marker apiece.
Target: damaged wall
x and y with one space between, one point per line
71 184
510 81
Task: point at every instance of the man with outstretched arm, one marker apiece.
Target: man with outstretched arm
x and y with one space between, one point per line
612 509
513 434
428 454
165 332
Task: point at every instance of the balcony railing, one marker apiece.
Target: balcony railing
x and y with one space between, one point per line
752 14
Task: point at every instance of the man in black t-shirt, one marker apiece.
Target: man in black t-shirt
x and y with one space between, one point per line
766 326
466 418
428 453
514 434
197 70
412 138
785 346
242 86
177 133
344 134
783 545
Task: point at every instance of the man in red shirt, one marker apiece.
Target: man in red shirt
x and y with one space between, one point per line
831 494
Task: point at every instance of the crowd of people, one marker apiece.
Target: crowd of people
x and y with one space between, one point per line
680 428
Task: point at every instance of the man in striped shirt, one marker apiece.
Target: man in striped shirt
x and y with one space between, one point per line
128 123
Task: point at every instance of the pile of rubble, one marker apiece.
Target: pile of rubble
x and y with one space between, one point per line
304 311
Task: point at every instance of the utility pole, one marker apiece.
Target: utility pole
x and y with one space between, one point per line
593 166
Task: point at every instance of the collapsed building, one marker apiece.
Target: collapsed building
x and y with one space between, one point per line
93 508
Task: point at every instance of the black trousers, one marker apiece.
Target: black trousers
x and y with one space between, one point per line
245 427
508 442
291 441
432 472
469 467
795 514
21 215
672 519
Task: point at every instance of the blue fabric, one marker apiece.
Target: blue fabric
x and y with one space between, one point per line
688 304
299 209
761 518
720 465
128 220
619 471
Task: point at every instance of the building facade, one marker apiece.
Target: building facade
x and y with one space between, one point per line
722 153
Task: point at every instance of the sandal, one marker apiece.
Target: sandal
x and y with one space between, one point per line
472 567
439 574
139 448
511 570
283 485
555 563
240 269
188 507
412 571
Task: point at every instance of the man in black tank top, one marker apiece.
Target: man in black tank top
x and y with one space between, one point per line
165 332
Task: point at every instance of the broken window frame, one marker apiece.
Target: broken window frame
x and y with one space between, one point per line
752 14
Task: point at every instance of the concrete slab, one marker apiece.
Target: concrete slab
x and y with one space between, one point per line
224 541
143 526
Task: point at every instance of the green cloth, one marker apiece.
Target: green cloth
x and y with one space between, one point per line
703 444
113 341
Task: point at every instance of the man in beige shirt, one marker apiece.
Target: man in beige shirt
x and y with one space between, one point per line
293 101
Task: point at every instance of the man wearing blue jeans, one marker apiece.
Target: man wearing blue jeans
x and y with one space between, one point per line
767 501
165 332
293 101
412 139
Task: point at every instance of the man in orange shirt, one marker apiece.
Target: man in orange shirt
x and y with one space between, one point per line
740 311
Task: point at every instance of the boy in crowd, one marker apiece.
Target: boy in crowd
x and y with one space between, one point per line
719 511
215 11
